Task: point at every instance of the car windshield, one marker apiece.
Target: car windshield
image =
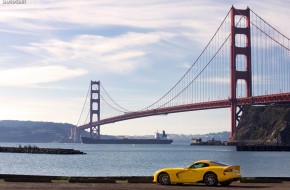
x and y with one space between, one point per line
199 165
219 163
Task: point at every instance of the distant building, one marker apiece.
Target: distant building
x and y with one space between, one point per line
162 136
196 141
214 142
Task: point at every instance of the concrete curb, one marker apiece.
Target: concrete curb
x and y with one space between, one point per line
116 179
264 179
90 180
28 179
49 179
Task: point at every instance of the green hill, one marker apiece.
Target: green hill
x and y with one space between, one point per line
34 132
48 132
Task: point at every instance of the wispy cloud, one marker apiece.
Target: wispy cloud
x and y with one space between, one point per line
185 65
5 58
120 54
39 109
30 76
182 16
129 13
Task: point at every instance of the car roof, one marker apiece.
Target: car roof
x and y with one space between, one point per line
204 161
211 162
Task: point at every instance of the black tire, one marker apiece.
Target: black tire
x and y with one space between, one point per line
164 179
226 183
210 179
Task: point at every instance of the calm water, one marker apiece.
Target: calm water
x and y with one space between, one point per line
139 160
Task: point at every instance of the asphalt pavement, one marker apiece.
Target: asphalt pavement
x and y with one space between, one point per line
62 185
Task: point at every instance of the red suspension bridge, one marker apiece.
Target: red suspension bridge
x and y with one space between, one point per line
246 62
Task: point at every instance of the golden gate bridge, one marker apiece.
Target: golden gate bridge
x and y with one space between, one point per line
246 62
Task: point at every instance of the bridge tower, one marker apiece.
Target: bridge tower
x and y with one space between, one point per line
236 75
95 109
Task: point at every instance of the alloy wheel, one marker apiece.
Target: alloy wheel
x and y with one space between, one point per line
164 179
210 179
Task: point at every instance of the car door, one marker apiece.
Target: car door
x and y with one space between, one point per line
193 173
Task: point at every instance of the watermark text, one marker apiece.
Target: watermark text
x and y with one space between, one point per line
14 1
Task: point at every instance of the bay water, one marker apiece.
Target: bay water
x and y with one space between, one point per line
138 160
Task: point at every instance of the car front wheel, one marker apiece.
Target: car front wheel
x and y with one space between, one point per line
164 179
210 179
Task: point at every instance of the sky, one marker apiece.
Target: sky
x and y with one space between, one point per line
51 50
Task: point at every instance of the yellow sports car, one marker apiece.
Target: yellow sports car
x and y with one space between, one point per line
209 172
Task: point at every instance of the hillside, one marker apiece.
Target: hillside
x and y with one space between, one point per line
34 132
265 125
222 136
48 132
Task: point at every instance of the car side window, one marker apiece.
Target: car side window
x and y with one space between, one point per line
199 165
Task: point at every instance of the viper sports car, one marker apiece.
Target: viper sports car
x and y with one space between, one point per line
205 171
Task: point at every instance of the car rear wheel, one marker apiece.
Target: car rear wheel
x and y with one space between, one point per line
164 179
210 179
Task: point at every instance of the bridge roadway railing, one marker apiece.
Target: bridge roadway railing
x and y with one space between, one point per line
255 100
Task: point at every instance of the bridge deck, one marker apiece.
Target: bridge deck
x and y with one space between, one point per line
255 100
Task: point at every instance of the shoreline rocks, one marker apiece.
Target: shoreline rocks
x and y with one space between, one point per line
37 150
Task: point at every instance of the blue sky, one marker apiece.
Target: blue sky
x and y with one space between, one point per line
50 50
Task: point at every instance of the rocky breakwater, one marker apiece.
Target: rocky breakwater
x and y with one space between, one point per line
37 150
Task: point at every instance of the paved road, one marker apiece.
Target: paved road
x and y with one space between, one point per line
138 186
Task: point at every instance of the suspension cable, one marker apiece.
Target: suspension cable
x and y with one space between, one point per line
270 25
126 110
191 65
199 72
111 105
270 37
206 64
87 117
266 33
84 106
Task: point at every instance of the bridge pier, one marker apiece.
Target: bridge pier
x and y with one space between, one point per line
95 108
236 75
77 135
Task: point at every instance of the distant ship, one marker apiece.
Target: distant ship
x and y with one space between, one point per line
159 139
